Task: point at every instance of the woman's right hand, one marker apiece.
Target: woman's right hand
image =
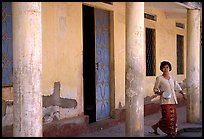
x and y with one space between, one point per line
160 93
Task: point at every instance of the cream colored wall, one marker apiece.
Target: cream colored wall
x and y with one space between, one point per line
119 53
62 49
165 45
165 48
62 52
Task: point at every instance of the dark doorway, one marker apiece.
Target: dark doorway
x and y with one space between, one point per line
89 63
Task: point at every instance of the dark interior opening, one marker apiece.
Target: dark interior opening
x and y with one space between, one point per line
89 63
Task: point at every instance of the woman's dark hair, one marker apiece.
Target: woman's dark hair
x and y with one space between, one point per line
164 63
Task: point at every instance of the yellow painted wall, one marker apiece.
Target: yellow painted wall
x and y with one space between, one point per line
166 32
62 49
119 53
62 52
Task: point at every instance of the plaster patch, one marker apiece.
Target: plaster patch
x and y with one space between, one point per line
8 118
56 100
50 114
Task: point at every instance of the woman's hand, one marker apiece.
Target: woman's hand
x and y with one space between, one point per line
184 97
159 93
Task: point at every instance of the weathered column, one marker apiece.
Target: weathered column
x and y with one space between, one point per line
27 69
134 97
193 65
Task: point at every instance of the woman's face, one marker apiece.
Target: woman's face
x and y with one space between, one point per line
166 69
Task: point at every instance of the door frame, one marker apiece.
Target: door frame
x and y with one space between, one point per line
111 55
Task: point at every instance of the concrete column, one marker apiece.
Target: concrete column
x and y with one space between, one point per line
134 79
27 69
193 65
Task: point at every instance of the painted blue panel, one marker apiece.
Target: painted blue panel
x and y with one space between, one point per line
106 56
7 50
102 55
103 102
102 65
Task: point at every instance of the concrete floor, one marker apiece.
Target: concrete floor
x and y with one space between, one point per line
119 130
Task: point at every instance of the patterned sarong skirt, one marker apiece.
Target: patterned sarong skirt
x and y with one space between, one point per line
168 122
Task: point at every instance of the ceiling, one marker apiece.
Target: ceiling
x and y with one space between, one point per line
171 9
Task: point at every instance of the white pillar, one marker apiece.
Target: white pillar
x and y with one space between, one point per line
193 65
27 69
134 79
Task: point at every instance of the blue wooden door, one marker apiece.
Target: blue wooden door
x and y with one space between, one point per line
102 43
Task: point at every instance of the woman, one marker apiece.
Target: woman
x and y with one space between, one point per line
165 86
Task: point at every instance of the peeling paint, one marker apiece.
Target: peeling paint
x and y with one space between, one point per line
6 104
